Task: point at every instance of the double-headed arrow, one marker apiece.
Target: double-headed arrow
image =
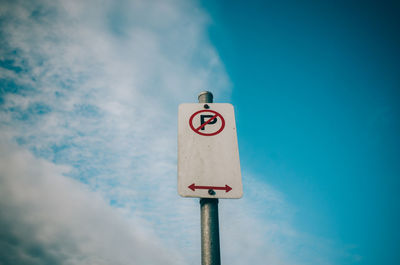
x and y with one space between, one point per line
193 187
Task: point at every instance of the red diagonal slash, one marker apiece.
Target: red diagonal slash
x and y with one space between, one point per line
216 114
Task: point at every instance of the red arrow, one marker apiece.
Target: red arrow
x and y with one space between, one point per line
193 187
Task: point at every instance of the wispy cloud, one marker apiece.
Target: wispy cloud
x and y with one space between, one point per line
49 219
98 91
89 92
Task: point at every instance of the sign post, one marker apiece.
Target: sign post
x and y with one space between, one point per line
208 164
210 250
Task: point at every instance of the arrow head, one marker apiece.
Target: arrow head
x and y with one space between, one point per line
227 188
192 187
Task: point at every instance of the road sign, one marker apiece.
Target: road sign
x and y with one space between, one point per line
208 155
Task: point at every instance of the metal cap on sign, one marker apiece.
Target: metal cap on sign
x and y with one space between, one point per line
205 97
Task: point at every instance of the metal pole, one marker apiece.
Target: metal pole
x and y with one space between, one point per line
210 253
205 97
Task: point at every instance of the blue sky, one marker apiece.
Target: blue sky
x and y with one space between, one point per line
316 86
88 107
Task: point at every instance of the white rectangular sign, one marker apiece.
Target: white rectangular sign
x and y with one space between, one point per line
208 154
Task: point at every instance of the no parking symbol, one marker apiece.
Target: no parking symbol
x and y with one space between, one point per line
207 122
208 153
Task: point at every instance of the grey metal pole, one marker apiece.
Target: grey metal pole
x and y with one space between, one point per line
205 97
210 252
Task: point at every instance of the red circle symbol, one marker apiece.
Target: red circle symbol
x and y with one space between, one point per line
216 115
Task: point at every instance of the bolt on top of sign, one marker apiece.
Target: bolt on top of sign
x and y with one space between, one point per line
208 155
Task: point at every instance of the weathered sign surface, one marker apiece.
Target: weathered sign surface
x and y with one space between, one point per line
208 154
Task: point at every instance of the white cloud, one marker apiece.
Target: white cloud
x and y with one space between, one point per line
50 219
95 86
99 90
